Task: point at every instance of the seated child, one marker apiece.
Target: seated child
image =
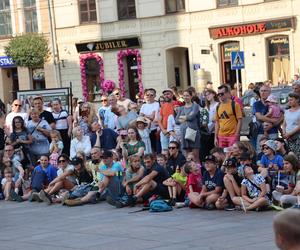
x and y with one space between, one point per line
162 160
253 190
194 180
287 197
176 185
7 183
270 163
274 112
212 185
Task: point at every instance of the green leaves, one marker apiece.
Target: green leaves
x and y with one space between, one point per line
29 50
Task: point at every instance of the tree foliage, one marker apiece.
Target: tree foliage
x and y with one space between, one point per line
29 50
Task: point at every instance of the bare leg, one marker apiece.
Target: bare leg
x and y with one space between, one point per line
7 189
174 192
195 199
146 189
211 199
237 201
229 187
262 201
196 154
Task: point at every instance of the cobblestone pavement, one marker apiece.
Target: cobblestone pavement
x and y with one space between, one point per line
38 226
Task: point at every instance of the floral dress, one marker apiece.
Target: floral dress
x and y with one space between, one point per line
133 149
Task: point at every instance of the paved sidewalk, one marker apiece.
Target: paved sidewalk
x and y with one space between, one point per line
38 226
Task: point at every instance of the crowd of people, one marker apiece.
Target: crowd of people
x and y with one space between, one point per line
184 148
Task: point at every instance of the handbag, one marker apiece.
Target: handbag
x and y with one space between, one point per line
190 134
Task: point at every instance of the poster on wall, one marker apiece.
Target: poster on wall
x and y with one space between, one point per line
26 96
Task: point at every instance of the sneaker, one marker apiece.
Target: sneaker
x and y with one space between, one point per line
45 197
132 201
34 197
110 200
296 206
64 198
15 196
172 202
180 204
229 207
210 206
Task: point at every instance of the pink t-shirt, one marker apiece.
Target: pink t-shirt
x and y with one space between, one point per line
276 111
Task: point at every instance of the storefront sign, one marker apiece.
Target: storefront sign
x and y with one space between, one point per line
229 48
279 46
6 62
252 28
116 44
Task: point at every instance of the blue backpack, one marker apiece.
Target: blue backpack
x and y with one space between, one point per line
160 206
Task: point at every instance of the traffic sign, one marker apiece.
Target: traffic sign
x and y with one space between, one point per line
237 60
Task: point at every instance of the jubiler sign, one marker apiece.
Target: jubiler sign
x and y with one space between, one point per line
252 28
108 45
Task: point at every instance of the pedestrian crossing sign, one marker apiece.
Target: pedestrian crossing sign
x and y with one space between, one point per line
237 60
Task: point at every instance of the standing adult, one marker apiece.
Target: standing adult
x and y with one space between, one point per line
63 124
228 119
291 124
149 110
166 109
38 105
16 110
104 106
125 118
208 137
121 101
296 87
260 110
188 117
110 117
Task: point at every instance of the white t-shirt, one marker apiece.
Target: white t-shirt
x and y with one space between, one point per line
211 117
61 119
68 168
124 103
292 119
148 109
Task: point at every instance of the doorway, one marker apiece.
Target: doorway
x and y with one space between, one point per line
178 67
15 82
229 75
132 83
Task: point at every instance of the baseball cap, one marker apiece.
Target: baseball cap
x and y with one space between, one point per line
210 158
107 154
167 90
76 160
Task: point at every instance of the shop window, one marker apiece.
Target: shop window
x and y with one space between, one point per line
92 68
38 78
279 59
227 3
5 18
174 6
30 15
87 11
126 9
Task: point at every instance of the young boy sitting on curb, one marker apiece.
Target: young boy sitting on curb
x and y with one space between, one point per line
212 185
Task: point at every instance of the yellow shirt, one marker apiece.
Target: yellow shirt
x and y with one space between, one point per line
226 118
178 177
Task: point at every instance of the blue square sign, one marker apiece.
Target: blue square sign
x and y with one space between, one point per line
237 60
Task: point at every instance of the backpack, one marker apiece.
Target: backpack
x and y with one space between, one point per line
232 107
160 206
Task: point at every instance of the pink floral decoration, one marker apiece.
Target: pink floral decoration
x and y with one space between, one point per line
108 86
83 59
121 55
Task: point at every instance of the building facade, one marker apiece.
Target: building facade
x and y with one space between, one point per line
158 43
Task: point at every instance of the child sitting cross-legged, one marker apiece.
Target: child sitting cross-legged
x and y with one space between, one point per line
212 185
254 191
7 183
176 185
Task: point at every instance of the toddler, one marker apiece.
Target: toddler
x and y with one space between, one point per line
274 112
142 125
56 147
7 183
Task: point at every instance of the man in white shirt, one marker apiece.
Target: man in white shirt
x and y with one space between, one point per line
16 110
149 110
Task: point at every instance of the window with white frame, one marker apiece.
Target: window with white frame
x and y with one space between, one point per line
30 16
87 11
5 18
227 3
173 6
126 9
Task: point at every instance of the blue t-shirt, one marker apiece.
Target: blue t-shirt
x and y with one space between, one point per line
278 160
259 107
116 168
212 182
108 139
50 171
